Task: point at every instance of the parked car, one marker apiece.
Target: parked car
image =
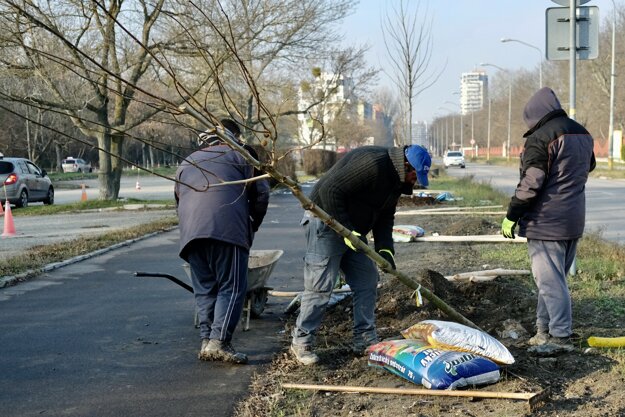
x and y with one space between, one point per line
453 158
25 182
71 164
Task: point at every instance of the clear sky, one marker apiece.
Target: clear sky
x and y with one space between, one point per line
465 33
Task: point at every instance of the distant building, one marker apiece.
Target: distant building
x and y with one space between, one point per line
338 92
420 134
473 91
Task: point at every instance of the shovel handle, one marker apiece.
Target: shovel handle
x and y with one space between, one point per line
169 277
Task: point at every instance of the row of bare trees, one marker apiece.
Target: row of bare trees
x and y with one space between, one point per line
105 78
592 91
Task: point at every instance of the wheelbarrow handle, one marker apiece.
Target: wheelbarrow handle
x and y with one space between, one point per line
169 277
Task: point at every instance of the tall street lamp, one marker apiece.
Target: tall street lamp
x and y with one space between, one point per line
483 64
461 123
540 55
612 75
453 127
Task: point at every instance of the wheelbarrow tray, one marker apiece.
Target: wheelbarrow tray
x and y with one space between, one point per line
260 266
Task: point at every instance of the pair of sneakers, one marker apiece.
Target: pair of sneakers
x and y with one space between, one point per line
219 350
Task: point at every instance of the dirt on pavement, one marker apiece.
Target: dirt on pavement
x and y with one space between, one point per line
581 383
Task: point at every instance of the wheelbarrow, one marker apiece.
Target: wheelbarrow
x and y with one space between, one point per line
260 266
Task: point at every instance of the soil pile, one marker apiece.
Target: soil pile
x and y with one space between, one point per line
580 383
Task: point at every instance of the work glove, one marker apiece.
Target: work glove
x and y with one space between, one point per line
388 256
507 228
349 243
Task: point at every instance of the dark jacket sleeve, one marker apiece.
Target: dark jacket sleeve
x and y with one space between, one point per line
383 230
534 168
257 195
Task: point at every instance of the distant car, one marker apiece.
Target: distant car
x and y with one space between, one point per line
454 158
24 182
75 165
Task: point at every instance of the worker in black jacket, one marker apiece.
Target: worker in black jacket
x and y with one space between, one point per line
549 205
361 192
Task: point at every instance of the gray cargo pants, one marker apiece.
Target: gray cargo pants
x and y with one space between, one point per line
326 254
551 260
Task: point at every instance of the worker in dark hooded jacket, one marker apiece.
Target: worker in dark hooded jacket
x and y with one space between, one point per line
549 206
217 226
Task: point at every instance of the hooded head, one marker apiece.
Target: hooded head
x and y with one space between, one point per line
232 127
543 102
420 159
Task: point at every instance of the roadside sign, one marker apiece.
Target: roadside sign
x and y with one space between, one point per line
472 142
558 29
567 3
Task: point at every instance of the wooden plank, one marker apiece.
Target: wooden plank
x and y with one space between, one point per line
470 238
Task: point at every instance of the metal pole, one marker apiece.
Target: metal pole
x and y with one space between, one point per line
461 130
572 75
509 112
612 76
572 56
488 135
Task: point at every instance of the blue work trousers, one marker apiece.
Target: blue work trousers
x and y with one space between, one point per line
219 279
326 254
551 260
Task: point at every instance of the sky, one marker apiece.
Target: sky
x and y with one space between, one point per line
465 33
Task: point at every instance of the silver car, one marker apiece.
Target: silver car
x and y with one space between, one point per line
24 182
71 164
454 158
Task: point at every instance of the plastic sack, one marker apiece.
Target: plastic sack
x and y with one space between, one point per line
406 233
433 368
455 336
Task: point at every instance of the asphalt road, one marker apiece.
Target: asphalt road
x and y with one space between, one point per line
90 339
605 198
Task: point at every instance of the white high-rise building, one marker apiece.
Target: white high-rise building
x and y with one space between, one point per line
473 91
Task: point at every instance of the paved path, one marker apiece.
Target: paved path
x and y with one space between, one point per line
90 339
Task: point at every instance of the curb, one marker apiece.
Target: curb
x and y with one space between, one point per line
10 280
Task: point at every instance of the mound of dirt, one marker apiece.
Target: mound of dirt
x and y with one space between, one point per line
579 383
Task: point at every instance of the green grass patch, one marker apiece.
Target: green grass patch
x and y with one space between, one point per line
40 210
39 256
468 192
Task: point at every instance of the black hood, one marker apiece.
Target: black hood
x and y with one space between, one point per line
543 102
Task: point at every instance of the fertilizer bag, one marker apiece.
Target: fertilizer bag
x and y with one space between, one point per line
455 336
433 368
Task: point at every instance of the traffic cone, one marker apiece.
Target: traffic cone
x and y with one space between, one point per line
138 186
9 226
83 197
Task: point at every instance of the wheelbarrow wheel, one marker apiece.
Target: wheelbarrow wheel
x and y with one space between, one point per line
258 300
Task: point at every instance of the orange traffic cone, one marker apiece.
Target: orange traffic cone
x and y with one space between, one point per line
83 197
138 186
9 227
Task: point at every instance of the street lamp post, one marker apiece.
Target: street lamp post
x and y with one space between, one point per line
612 75
483 64
461 122
488 134
540 54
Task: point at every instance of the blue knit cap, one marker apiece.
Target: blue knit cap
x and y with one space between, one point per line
421 161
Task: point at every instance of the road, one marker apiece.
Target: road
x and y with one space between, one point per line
90 339
605 199
150 188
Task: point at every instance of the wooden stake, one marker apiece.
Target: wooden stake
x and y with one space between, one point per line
527 396
486 275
